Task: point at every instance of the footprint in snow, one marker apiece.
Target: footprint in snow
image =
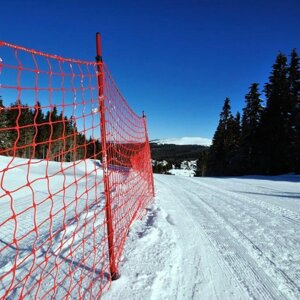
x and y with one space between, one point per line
170 220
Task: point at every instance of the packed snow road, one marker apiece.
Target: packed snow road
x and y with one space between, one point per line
215 238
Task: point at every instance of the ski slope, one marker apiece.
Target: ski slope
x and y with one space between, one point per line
215 238
203 238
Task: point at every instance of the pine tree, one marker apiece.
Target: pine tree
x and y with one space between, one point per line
275 122
217 164
98 150
294 101
5 140
81 150
202 162
27 132
251 121
41 134
20 118
224 155
56 122
233 156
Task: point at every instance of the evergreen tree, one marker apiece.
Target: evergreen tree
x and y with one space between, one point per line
217 156
233 154
98 150
42 132
250 141
20 118
224 155
27 132
70 140
5 140
294 101
90 148
275 122
93 148
56 123
202 162
81 150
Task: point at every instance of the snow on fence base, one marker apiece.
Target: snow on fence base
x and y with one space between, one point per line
64 215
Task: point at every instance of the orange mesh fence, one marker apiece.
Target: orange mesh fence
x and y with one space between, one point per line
75 172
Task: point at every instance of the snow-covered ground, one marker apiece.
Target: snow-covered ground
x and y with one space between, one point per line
187 168
185 141
203 238
29 194
215 238
182 172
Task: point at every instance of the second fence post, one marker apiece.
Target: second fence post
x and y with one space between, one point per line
109 221
149 153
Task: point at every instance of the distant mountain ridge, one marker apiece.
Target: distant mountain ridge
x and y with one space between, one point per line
184 141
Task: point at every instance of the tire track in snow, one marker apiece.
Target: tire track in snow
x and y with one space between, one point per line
284 242
288 285
193 274
239 251
291 288
231 265
257 285
258 187
202 265
223 267
239 202
279 211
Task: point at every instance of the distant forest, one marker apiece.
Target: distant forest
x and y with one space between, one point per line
266 138
30 133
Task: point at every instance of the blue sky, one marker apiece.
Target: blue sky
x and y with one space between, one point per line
177 60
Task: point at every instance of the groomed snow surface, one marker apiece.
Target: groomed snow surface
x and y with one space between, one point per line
215 238
203 238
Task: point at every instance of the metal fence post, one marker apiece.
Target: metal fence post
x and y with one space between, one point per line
149 153
109 222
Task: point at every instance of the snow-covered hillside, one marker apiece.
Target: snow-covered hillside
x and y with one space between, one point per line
185 141
215 238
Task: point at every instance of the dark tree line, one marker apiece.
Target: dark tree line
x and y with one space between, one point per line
30 133
173 154
266 139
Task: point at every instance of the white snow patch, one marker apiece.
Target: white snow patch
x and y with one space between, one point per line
182 172
185 141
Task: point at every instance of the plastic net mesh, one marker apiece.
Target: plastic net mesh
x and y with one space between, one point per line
75 172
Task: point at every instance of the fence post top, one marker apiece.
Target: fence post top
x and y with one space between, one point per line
98 47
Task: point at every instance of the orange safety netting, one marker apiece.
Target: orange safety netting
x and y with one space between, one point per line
75 172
